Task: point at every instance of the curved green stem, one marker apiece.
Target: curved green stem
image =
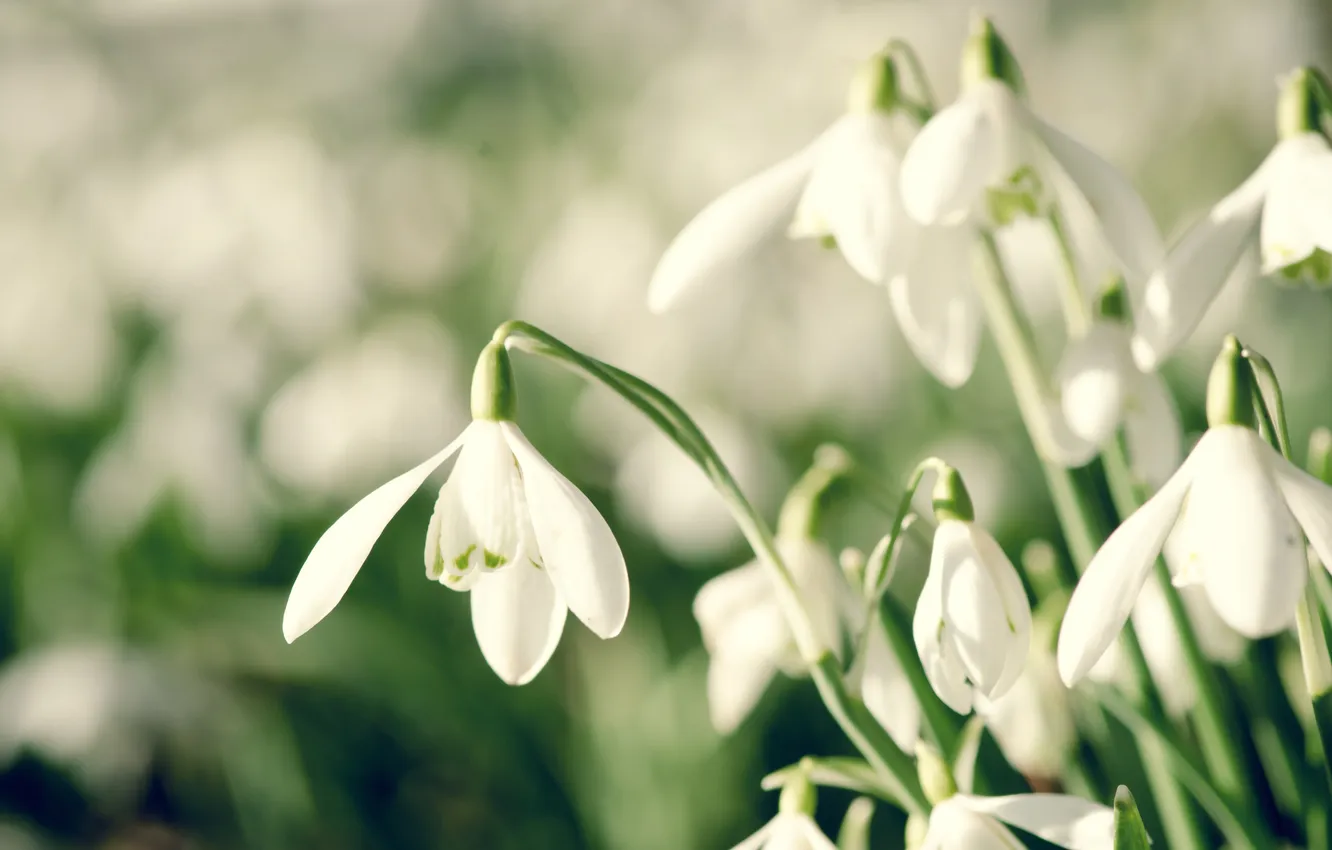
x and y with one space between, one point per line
894 766
900 47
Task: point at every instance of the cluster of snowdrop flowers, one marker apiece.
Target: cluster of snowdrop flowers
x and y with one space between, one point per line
507 526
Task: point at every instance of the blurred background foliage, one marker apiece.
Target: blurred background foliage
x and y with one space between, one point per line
248 249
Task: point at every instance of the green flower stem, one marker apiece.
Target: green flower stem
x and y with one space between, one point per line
1084 524
1270 405
1240 833
903 50
894 766
878 575
1076 315
940 721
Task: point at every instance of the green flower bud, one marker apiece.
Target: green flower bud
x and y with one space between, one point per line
986 56
1112 303
874 86
1230 388
494 396
950 497
1319 459
798 796
936 778
1298 108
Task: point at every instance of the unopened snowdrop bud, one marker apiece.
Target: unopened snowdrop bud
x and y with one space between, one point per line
874 86
1230 387
986 56
1238 511
507 526
936 778
972 623
966 822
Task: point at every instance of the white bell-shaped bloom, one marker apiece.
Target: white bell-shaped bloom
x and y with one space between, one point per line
1238 509
1161 642
972 624
1033 722
987 157
508 527
1100 388
745 630
788 831
844 186
964 822
1285 206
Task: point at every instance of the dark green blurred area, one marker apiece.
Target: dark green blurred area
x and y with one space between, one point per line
151 515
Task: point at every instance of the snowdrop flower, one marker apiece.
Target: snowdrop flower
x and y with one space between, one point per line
1101 387
843 187
965 822
507 526
745 630
988 158
1285 207
1240 511
972 625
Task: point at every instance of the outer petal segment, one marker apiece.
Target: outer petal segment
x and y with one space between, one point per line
947 166
1104 597
1061 819
729 228
342 549
577 547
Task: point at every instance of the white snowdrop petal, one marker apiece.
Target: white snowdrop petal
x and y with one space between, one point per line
1179 291
759 838
1055 440
973 606
955 826
724 597
1310 500
490 493
1125 222
1016 637
852 193
729 228
820 583
1247 546
1061 819
452 544
1105 595
936 307
949 162
577 547
1152 430
343 548
1297 216
927 627
518 618
886 690
804 828
1093 378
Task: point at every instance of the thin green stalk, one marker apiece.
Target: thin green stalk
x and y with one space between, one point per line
940 722
894 766
1241 835
1085 527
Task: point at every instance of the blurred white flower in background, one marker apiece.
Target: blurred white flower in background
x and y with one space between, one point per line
58 344
378 404
1033 722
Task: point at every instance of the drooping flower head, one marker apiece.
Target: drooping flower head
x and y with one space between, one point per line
966 822
1284 209
507 527
843 188
972 625
1239 512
